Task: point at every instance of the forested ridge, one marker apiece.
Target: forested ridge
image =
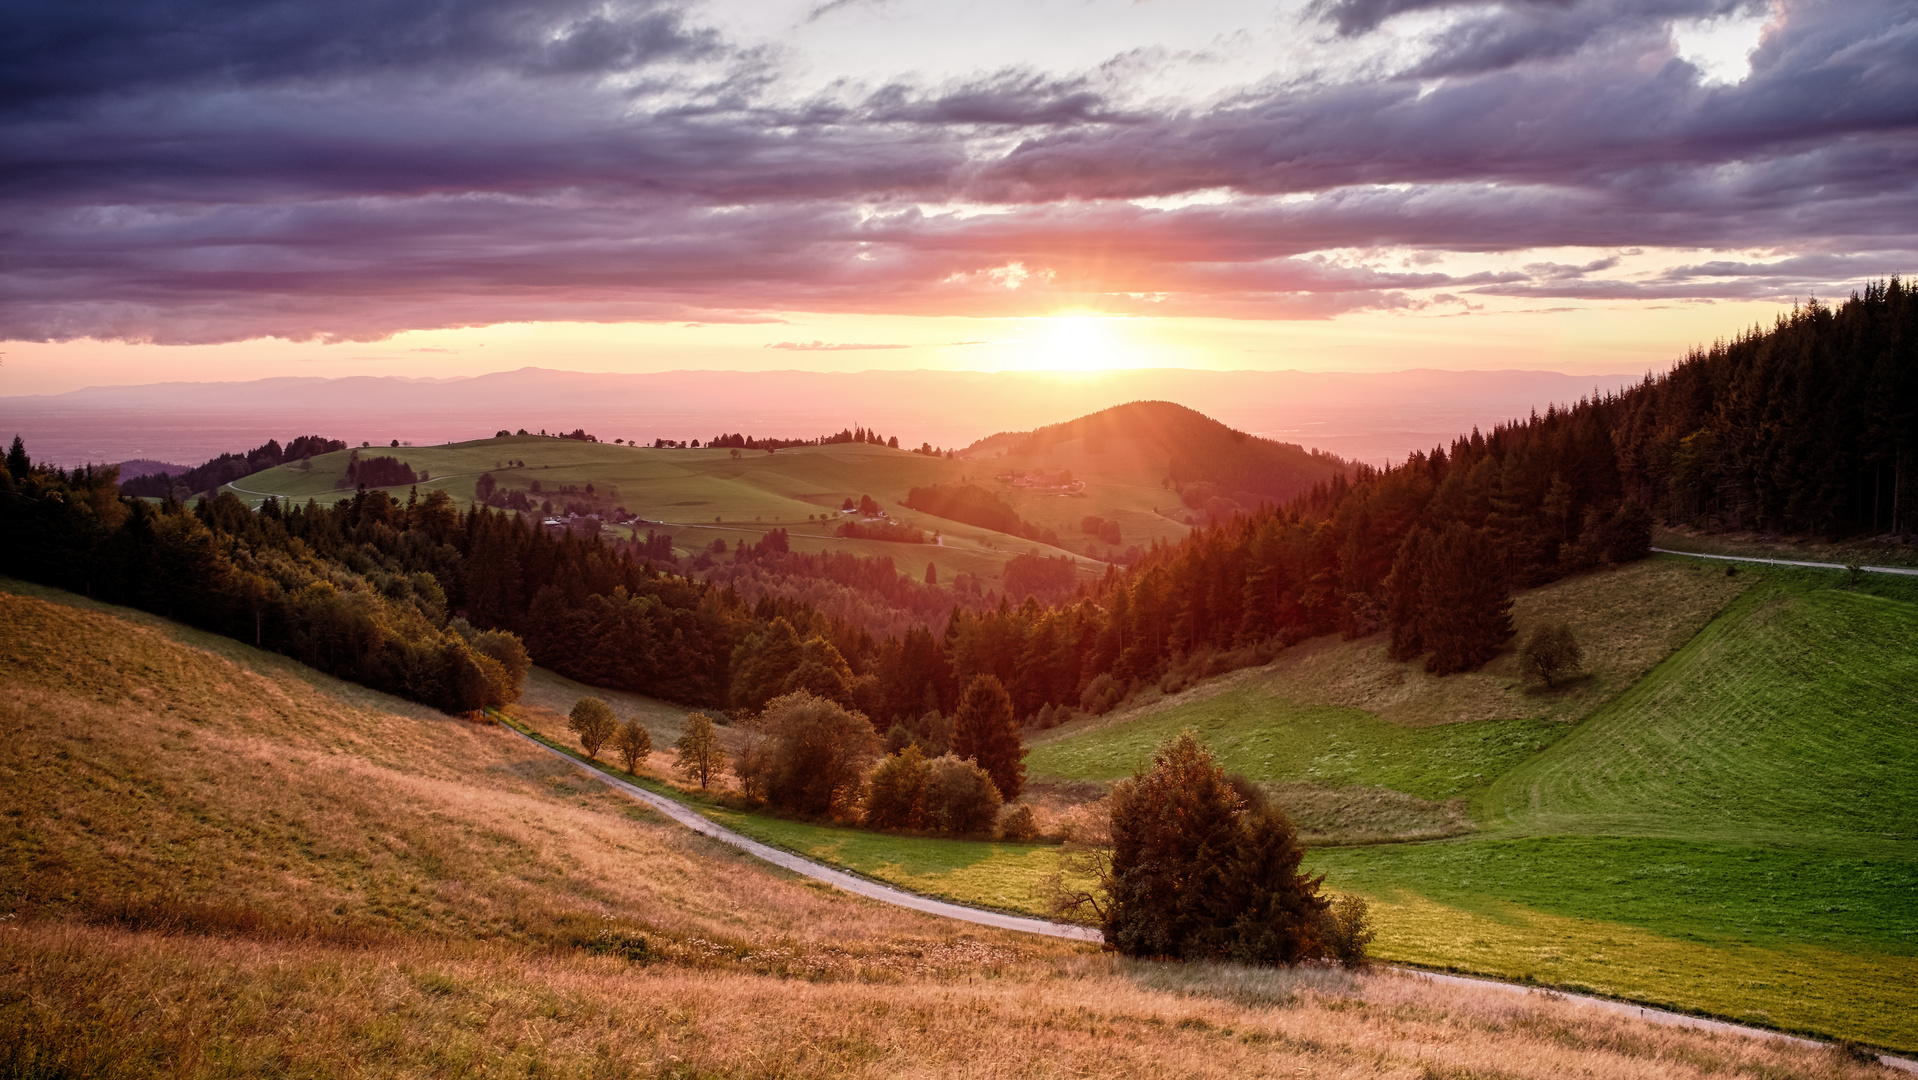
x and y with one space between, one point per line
230 467
1807 427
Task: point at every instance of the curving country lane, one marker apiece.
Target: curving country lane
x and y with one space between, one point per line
886 894
851 883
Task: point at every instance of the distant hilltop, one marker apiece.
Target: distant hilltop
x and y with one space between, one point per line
1356 416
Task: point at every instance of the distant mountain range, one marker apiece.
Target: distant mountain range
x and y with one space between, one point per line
1359 416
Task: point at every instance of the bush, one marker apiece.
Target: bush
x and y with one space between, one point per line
1020 824
593 721
896 790
1552 653
960 797
1101 694
1348 930
811 756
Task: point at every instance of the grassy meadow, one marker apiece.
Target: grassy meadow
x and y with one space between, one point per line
1732 830
219 863
699 496
1704 841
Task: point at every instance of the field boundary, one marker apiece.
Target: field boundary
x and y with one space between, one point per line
887 894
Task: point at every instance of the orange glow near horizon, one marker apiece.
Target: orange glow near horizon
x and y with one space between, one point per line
1594 339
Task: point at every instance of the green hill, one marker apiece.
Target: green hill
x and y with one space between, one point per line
696 496
1721 817
1792 719
220 863
1171 462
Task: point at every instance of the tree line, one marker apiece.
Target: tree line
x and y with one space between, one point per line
230 467
1807 426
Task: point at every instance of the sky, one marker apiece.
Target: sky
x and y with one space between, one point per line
211 189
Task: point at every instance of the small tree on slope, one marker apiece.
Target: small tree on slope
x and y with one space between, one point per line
593 721
700 756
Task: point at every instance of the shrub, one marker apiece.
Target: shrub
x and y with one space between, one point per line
634 744
1552 653
812 754
700 756
593 721
896 791
1019 823
1101 694
960 797
1348 930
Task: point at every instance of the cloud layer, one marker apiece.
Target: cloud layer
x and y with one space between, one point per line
209 170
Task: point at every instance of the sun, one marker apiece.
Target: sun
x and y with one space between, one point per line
1080 343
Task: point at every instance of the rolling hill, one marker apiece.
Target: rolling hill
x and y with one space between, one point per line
695 496
1719 816
221 863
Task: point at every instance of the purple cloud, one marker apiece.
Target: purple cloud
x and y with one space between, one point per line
346 173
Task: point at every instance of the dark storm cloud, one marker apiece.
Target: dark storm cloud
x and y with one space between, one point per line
55 51
212 171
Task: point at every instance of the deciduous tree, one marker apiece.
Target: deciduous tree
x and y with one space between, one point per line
1552 653
961 798
593 721
812 756
634 744
896 791
700 755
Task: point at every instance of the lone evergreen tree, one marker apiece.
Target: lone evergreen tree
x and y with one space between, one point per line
985 731
1203 868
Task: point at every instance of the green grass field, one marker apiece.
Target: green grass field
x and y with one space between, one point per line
1792 719
706 495
1278 741
1734 834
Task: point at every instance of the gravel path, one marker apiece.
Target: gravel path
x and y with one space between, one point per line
1913 571
859 886
886 894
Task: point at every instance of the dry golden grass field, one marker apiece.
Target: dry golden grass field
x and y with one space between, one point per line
214 862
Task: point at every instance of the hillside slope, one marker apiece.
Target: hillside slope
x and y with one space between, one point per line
696 497
1194 447
1790 719
219 863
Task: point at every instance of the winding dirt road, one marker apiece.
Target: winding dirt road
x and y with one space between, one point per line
851 883
886 894
1913 571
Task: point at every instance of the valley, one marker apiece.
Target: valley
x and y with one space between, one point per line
223 863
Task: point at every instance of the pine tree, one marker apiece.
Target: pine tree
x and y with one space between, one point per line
1468 601
985 731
